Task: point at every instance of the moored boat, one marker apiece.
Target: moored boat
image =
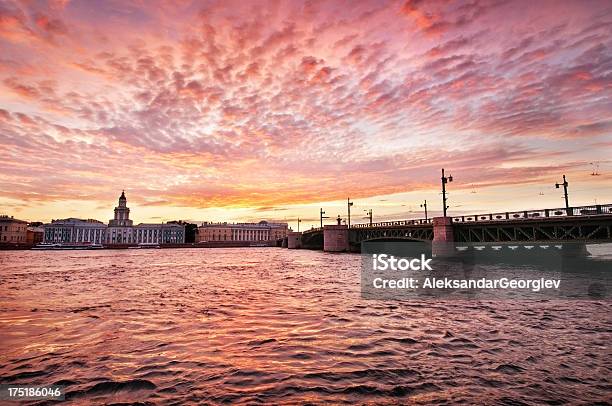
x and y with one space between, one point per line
146 246
67 246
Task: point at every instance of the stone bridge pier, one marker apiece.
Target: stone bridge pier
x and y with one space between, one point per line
336 238
443 244
294 240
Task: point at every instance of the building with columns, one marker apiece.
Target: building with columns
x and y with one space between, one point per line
120 230
159 234
251 232
74 231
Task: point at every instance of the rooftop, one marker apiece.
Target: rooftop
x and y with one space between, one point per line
5 218
76 220
262 223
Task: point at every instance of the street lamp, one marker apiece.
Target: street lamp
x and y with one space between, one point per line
298 224
349 204
445 180
321 215
424 205
369 215
564 184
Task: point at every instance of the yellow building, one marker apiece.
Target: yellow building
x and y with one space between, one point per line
214 232
262 231
13 231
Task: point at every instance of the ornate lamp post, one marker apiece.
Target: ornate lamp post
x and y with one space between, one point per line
445 180
369 216
321 215
424 205
564 184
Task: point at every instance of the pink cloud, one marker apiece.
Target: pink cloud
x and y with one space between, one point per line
236 105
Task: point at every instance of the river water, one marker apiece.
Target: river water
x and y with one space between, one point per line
270 325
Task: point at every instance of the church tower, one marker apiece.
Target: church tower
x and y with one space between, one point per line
122 213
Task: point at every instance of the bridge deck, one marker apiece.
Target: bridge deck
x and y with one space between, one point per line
586 224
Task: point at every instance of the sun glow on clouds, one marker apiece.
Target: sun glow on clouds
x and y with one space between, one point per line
245 110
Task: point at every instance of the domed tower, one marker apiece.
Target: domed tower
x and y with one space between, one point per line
122 213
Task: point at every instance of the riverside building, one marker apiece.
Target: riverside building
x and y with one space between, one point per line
35 235
119 231
249 232
13 231
73 230
122 231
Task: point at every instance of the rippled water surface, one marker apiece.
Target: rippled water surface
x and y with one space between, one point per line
269 325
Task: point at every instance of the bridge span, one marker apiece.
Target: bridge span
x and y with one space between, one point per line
586 224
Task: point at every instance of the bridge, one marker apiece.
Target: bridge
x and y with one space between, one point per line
586 224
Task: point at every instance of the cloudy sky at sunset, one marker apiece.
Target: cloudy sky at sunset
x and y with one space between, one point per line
221 110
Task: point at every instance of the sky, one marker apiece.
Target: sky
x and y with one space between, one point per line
248 110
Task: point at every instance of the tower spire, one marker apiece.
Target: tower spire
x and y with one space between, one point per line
122 213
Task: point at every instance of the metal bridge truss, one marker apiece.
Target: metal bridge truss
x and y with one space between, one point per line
358 235
592 230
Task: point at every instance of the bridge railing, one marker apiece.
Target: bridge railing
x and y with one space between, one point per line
536 214
313 230
502 216
412 222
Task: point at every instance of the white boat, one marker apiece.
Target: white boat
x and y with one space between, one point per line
68 246
46 246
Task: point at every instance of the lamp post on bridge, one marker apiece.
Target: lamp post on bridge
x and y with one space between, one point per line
445 180
321 215
369 215
298 224
424 205
349 204
564 184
